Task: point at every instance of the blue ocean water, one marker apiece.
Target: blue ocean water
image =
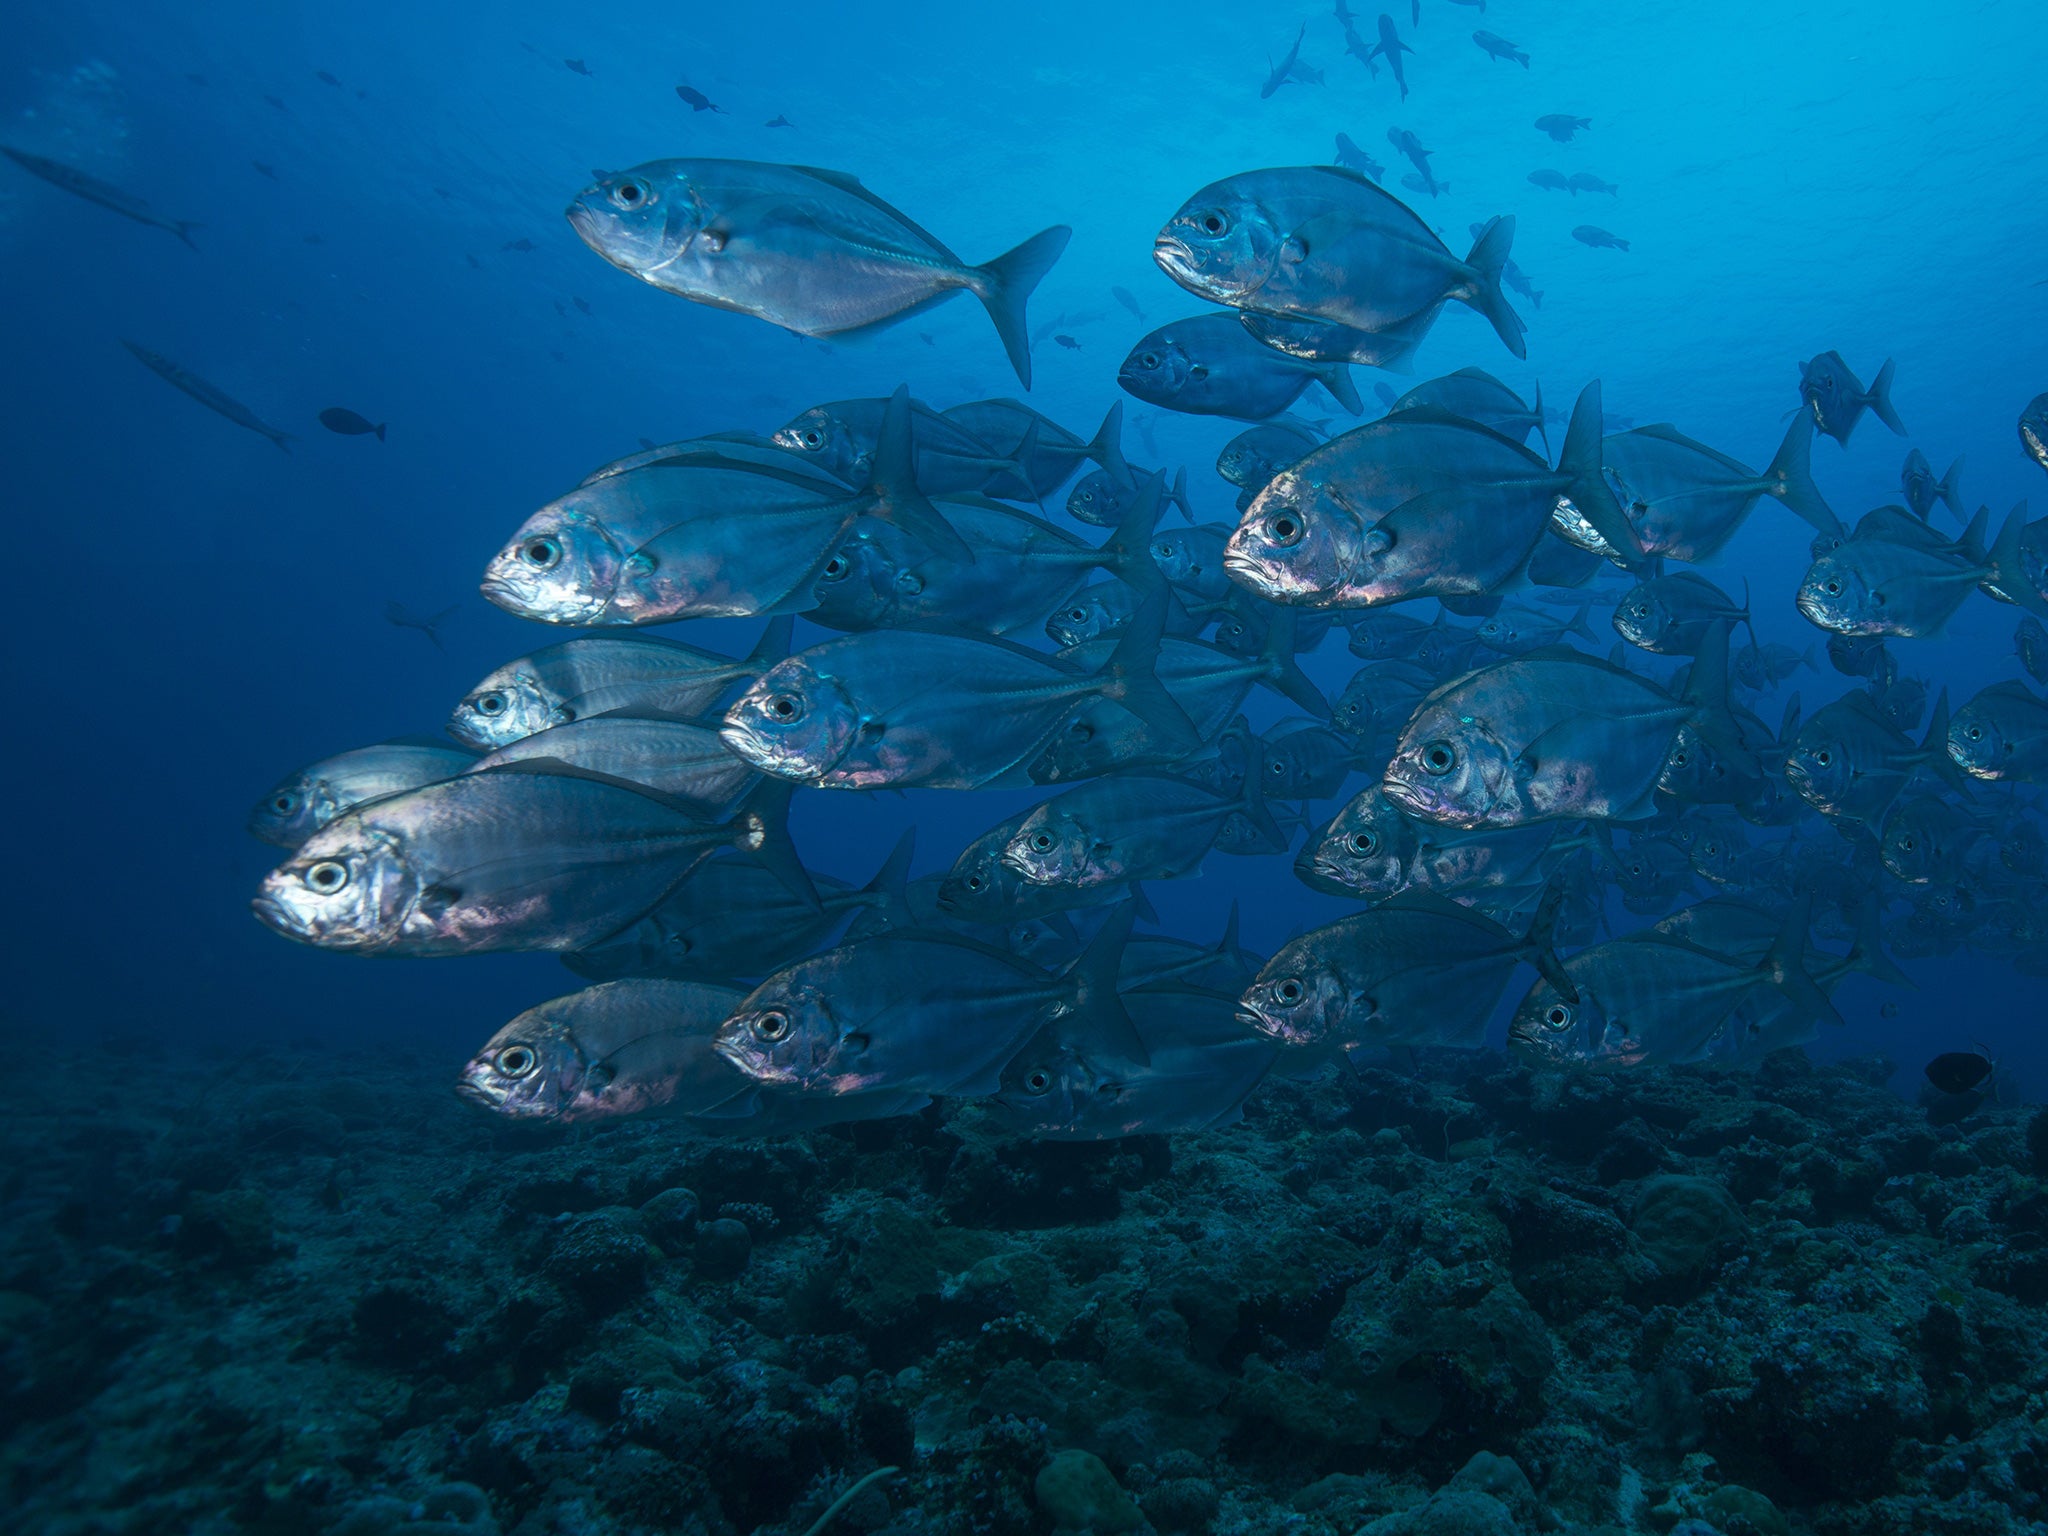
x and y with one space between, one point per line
193 613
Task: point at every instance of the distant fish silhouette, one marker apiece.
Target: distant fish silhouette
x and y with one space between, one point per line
560 310
265 170
1595 236
1959 1071
472 261
1562 125
398 615
1552 181
1282 72
340 419
926 338
582 304
325 78
521 244
1500 48
649 444
93 190
699 102
1068 342
1427 185
1124 297
442 192
1352 158
1586 181
778 121
1390 47
275 102
576 66
208 395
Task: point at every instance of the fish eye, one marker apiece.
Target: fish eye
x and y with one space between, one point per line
327 877
1038 1081
835 568
1636 868
1824 757
541 554
1832 588
1148 360
1078 615
1678 758
1283 529
630 193
786 707
1557 1016
1290 991
1215 222
284 804
1164 549
1974 732
974 882
1363 842
1041 842
1439 758
490 704
1905 845
812 437
772 1026
516 1061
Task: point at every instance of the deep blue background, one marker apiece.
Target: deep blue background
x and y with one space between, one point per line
191 613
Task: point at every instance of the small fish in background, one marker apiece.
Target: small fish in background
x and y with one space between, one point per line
648 444
1352 158
275 102
442 192
1959 1071
777 121
521 244
1586 181
1916 479
399 616
264 170
697 101
340 419
93 190
1425 185
1390 47
1518 280
576 67
927 338
1279 74
208 395
561 310
1067 341
1888 1010
2034 430
1124 297
580 303
325 78
1838 399
1550 181
1410 147
1500 48
1598 238
2030 644
1562 125
466 256
1359 49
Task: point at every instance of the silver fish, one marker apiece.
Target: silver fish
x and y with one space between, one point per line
303 803
2002 734
1131 827
93 190
683 759
812 251
211 396
1896 576
1209 365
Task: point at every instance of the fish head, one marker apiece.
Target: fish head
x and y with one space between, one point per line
1451 768
784 1032
1094 740
509 705
1547 1030
1083 617
642 221
1365 849
828 441
1818 769
1049 1084
979 885
1055 848
860 584
1695 772
1838 596
562 567
293 811
2034 430
1222 244
1296 1000
794 721
1976 743
533 1068
1642 619
1243 464
1158 369
349 886
1097 499
1354 713
1297 542
1908 848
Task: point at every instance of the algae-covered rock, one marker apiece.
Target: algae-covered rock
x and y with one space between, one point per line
1454 1512
602 1256
1080 1494
1684 1223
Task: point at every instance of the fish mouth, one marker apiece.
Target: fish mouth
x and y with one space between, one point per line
582 218
277 915
470 1090
1173 258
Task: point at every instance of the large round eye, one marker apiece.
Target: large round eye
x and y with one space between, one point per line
1284 529
284 804
1439 758
1038 1081
1824 757
1163 549
327 877
1974 732
771 1026
1078 615
1041 842
1148 360
974 882
517 1060
835 568
1636 868
1832 588
541 554
630 193
1289 991
786 707
1363 842
490 704
812 437
1215 221
1678 758
1906 844
1558 1016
